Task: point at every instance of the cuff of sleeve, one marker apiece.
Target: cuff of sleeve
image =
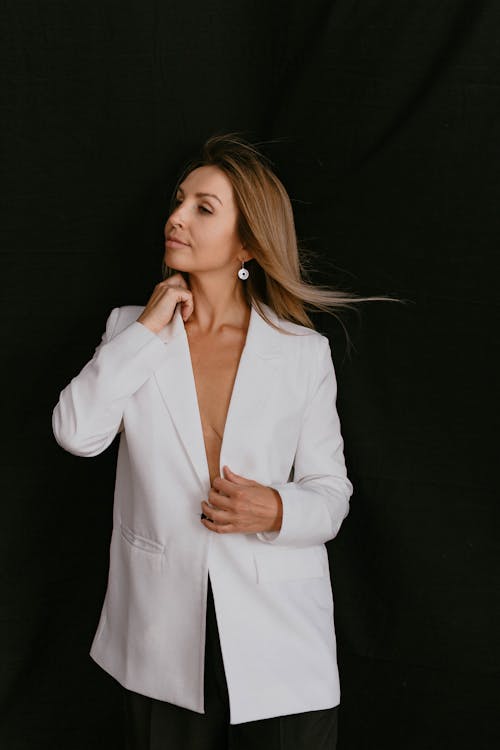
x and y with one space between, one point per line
136 339
289 500
268 536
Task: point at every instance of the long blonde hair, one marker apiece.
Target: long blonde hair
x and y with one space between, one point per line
278 275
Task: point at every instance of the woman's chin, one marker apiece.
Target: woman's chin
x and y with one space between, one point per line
172 262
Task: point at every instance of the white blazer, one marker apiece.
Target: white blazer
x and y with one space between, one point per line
272 591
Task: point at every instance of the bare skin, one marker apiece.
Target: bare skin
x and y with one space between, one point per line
216 318
215 359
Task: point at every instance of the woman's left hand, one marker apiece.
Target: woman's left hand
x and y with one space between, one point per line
240 505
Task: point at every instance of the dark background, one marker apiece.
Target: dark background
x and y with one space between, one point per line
382 119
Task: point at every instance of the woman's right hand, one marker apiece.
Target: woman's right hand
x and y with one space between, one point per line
161 305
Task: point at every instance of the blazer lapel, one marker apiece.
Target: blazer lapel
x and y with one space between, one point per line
257 370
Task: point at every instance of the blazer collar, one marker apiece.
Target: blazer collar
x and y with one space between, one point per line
261 339
257 371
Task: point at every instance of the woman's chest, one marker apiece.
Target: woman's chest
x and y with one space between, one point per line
215 365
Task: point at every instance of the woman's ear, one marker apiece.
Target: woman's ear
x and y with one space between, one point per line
249 257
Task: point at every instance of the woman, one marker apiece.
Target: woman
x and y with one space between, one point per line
218 615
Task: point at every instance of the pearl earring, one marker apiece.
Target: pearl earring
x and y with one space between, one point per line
243 272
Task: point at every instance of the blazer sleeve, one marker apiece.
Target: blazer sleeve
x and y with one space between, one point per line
88 414
317 501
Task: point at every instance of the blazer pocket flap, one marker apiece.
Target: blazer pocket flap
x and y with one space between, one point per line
137 540
288 564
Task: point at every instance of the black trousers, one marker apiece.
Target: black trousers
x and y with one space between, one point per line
151 724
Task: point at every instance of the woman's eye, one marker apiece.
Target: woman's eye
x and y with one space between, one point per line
202 208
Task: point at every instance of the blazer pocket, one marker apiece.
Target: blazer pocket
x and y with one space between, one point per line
289 564
141 542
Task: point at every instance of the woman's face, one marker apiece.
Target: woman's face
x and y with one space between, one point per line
205 218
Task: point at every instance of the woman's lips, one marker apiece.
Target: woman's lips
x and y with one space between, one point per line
175 243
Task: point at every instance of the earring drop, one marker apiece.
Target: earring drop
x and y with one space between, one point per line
243 273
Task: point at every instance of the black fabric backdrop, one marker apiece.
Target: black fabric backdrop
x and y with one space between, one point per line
382 120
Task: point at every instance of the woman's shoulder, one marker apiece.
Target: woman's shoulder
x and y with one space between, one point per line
301 335
301 345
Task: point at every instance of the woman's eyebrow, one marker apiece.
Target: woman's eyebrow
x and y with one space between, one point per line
200 195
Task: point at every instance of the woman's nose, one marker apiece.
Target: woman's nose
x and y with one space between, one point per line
177 215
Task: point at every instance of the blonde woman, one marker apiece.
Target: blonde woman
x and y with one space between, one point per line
218 615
